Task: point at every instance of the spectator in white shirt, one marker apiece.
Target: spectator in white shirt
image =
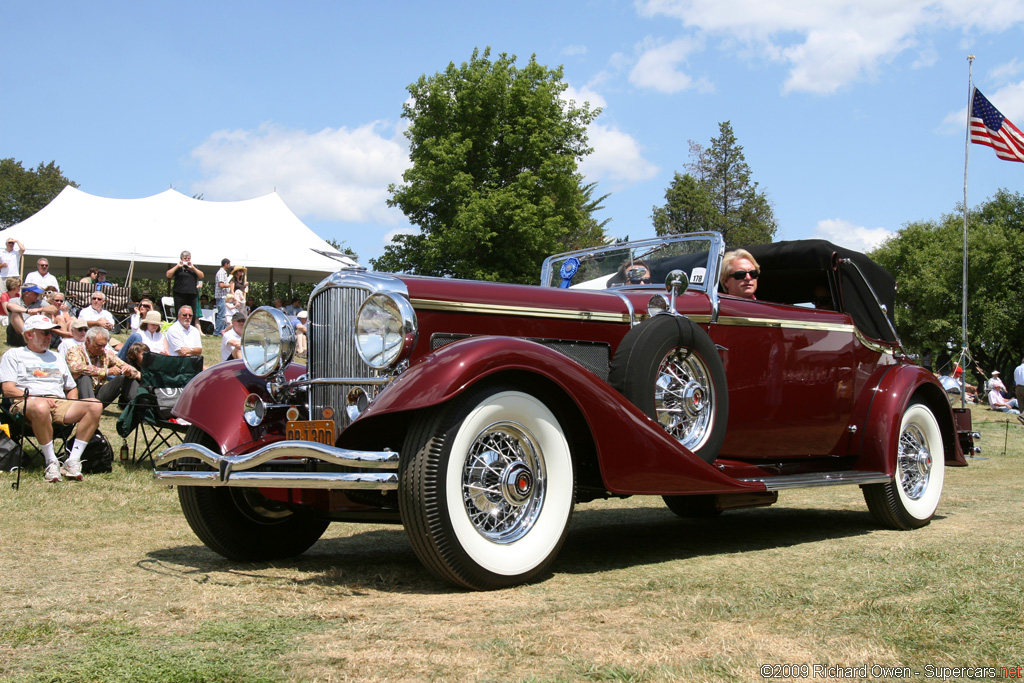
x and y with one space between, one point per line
10 259
183 337
41 276
231 340
1018 380
77 338
95 314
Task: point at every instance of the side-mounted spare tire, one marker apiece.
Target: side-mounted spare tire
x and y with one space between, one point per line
670 369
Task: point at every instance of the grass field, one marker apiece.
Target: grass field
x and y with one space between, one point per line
104 581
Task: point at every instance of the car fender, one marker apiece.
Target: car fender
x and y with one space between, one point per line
213 402
635 455
890 397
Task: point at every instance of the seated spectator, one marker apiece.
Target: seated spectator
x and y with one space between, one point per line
13 285
231 340
10 259
92 277
299 323
101 279
204 301
997 383
21 308
134 356
41 276
98 371
139 312
997 402
183 337
293 308
77 338
279 304
63 318
149 335
49 383
95 314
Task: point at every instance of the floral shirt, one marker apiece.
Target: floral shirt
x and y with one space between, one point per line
81 362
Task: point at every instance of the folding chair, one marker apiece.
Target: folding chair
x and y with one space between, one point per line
21 432
118 304
148 414
167 304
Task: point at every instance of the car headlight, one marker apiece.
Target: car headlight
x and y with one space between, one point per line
385 330
268 341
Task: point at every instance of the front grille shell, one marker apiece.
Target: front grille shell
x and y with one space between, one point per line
333 308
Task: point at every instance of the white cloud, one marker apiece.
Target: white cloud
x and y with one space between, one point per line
1007 71
845 234
658 65
617 157
574 50
337 174
830 43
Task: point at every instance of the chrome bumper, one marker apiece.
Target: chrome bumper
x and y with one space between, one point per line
234 470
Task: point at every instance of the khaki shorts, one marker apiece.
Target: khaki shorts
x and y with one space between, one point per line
57 411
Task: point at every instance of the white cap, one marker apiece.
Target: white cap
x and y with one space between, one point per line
303 314
39 322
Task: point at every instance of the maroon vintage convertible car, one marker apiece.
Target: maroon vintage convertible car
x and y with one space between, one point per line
478 414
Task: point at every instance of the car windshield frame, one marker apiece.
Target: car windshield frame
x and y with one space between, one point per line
702 252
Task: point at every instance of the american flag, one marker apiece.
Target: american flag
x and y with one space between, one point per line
989 127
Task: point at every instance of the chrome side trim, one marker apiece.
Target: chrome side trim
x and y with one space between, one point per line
525 311
629 307
232 470
785 324
803 481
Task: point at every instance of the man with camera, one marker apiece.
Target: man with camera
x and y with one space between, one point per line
186 281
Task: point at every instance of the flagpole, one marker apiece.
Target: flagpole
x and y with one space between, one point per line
967 157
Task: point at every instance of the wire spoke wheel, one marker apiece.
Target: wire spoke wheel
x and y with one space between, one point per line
684 398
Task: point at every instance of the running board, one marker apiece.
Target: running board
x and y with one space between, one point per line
810 480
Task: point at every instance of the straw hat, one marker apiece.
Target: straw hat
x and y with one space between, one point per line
238 269
153 317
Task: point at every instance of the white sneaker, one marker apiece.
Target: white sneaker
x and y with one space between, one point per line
52 473
72 470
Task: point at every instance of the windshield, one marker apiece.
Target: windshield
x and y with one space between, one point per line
637 263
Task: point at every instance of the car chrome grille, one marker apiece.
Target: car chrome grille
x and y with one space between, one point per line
332 351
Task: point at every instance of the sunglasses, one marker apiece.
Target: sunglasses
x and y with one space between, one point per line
185 315
100 298
742 274
58 301
144 306
44 265
45 333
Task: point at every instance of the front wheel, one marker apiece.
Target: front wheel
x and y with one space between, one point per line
240 523
909 501
487 488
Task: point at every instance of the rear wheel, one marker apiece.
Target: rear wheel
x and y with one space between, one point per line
240 523
909 501
487 488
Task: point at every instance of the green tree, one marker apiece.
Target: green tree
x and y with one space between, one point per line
717 193
926 257
24 191
494 185
343 248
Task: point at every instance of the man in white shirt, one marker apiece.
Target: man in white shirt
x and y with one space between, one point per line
231 341
95 314
10 259
40 371
183 338
77 338
42 277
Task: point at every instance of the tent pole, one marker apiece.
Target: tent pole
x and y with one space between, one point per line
67 268
270 286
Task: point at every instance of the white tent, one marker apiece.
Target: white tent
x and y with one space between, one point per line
78 230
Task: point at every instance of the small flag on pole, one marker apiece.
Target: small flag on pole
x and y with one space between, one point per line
989 127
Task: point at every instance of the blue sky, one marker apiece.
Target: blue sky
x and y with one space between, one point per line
852 114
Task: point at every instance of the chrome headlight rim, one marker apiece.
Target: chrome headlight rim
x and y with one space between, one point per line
405 317
259 322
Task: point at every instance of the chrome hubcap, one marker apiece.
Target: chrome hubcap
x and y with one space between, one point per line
684 398
503 482
914 462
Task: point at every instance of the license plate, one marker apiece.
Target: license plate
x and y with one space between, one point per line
318 431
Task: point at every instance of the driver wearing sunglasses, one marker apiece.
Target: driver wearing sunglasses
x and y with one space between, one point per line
739 274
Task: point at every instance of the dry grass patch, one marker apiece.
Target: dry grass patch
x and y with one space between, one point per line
105 581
